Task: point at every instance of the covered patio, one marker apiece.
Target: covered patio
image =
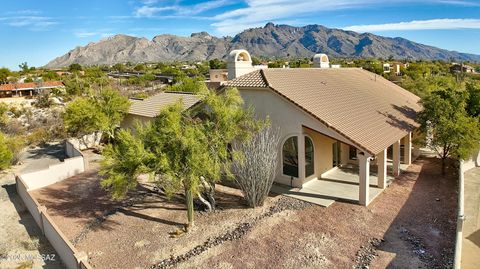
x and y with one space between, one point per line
339 184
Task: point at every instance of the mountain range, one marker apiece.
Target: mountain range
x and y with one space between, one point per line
282 41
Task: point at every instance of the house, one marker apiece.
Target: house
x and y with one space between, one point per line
147 109
27 89
330 118
461 68
396 68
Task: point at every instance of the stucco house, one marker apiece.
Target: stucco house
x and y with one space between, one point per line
329 118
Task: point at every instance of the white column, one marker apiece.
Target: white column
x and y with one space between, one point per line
407 149
382 169
396 158
364 174
301 160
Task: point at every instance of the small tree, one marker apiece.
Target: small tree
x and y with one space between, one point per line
453 132
114 106
255 168
184 150
75 67
83 117
102 113
6 154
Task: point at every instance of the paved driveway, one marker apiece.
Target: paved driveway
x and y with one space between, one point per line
471 228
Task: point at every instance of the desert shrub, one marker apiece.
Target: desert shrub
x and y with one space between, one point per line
39 136
255 169
43 100
16 144
6 154
13 127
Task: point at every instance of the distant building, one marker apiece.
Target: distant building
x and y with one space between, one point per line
461 68
27 89
218 75
395 68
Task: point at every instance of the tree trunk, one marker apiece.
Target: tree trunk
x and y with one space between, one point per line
189 202
444 160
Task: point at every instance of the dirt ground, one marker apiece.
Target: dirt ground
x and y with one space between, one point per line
410 225
21 241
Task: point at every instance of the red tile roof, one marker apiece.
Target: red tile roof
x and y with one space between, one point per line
30 85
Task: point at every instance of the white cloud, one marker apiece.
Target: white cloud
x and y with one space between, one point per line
460 3
34 23
149 9
435 24
82 34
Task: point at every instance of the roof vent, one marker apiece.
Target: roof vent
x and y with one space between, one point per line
321 61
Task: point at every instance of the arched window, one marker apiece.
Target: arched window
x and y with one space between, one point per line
290 157
309 157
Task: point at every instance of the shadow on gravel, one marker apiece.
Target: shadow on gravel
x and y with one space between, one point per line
54 151
424 229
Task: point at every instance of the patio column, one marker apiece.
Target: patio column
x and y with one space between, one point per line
396 158
407 149
301 159
382 169
364 176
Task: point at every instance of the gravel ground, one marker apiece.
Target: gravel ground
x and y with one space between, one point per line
21 241
410 225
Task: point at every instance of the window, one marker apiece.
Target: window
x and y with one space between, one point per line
290 157
309 157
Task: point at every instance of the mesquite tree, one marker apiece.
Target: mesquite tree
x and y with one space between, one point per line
256 166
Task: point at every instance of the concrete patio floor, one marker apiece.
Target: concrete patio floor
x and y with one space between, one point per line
341 184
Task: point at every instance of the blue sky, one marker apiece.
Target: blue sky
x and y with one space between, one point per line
38 31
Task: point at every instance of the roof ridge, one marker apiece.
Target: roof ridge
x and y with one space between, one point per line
177 92
262 73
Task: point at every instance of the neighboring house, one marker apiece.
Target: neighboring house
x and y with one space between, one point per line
147 109
27 89
329 117
461 68
396 68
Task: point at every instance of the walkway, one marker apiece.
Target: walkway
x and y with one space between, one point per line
471 228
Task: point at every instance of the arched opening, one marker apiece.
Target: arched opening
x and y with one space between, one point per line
243 57
324 58
290 157
309 157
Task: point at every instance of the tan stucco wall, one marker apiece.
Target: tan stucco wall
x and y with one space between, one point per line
323 152
129 120
290 119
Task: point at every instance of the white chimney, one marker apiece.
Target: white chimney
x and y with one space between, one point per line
321 61
239 63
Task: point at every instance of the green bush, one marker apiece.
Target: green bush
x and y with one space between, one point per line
6 154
